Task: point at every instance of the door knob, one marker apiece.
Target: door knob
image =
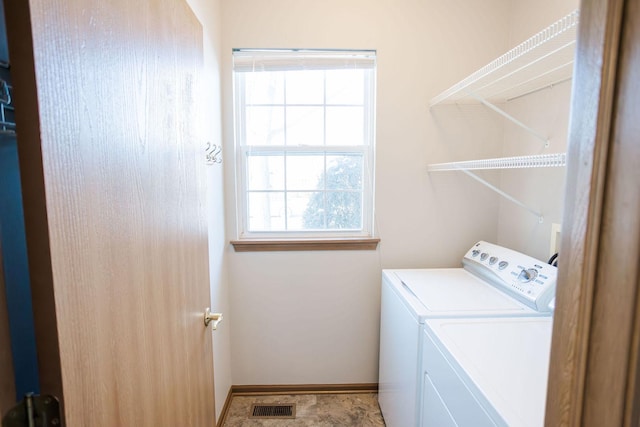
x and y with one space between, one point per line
213 318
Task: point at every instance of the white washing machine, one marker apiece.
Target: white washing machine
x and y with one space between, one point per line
485 372
494 282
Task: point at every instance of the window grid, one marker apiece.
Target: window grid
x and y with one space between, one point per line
325 190
324 149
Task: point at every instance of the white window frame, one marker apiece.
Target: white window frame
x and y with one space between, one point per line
314 59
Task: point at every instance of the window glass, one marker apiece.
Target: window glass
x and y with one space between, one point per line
266 211
305 126
345 125
344 172
305 171
264 125
345 87
264 88
305 87
265 171
297 204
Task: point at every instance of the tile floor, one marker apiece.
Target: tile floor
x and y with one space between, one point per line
322 410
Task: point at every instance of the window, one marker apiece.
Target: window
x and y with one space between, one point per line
304 129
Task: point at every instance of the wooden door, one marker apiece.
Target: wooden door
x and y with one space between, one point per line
106 96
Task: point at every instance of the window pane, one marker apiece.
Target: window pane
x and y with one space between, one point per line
305 126
265 172
266 87
314 215
344 172
264 126
345 87
266 211
344 210
297 206
345 126
305 87
303 137
305 172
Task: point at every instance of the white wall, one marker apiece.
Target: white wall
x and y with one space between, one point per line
547 111
313 317
209 13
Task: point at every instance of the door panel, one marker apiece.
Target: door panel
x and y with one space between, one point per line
121 174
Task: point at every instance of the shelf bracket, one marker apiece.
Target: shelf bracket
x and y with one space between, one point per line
505 195
509 117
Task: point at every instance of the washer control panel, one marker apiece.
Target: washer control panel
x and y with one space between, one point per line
529 280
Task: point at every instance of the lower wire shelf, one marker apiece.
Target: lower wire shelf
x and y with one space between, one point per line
518 162
534 161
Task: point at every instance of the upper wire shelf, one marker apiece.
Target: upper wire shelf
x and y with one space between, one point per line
541 61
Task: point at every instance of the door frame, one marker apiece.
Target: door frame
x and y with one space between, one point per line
18 20
593 378
588 318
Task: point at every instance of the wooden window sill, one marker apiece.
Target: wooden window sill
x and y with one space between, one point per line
368 244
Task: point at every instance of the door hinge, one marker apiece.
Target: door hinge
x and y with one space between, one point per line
34 411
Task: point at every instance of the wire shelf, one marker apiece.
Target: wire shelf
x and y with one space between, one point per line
518 162
543 60
7 112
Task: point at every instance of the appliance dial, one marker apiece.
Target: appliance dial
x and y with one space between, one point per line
475 253
483 256
493 260
527 275
502 265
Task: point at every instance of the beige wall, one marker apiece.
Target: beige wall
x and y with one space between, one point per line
313 317
209 14
527 17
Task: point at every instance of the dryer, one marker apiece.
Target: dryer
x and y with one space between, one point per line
493 282
485 372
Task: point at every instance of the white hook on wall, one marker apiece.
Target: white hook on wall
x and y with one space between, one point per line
213 153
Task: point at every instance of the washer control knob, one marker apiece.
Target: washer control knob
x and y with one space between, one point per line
483 256
527 275
475 253
493 260
502 265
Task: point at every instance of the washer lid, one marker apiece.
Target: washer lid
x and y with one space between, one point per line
506 359
454 292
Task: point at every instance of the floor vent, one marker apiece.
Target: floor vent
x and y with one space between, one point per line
274 410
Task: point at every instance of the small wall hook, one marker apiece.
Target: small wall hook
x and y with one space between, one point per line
213 153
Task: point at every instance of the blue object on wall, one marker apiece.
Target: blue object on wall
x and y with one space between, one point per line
16 270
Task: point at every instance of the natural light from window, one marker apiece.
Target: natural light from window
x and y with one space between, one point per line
304 139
